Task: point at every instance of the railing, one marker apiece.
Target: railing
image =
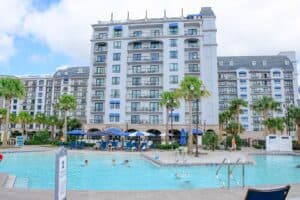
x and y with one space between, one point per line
230 168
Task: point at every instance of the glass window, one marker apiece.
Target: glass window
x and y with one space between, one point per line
173 54
137 33
136 94
173 67
153 69
173 30
114 105
100 70
100 81
173 42
154 106
98 107
99 93
102 35
137 45
135 119
115 93
115 80
117 56
155 32
136 56
193 68
173 79
193 55
154 56
114 118
242 74
154 119
136 69
154 94
117 33
117 44
116 68
135 106
101 58
192 31
136 81
154 45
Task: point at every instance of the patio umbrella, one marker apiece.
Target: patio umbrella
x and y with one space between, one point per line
95 133
139 134
182 137
76 132
197 131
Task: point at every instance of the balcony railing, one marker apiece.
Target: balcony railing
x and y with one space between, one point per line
143 71
143 109
141 121
145 34
144 59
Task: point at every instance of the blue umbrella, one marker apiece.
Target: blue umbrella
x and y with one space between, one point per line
76 132
140 133
197 132
95 133
182 137
115 132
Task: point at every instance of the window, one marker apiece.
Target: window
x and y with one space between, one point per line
155 32
231 63
243 96
278 96
136 94
117 33
193 43
154 56
154 106
243 82
114 105
173 30
276 74
153 69
115 80
154 94
100 70
154 80
39 100
173 79
114 117
136 81
41 82
14 107
99 93
154 119
221 63
102 35
135 119
117 44
286 62
253 63
173 42
40 88
135 106
277 81
116 68
98 107
98 118
242 74
264 63
243 89
173 54
40 94
136 56
136 69
137 45
100 82
15 101
277 89
192 31
117 56
137 33
39 107
115 93
193 55
193 68
101 58
173 67
154 45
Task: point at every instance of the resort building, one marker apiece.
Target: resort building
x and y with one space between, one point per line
251 77
134 61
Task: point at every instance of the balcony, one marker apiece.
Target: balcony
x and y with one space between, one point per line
96 121
143 109
145 84
146 96
191 70
145 34
98 85
146 71
144 59
100 49
98 97
145 121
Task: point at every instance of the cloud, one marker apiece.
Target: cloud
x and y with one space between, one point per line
6 48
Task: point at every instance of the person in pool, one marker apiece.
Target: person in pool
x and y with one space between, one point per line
113 162
86 162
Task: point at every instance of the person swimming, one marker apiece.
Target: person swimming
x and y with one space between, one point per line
86 162
113 162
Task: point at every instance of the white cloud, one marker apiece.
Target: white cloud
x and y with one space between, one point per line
6 47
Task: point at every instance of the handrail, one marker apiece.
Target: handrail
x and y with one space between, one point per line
223 162
235 164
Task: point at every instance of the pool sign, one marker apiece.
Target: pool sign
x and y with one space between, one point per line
61 175
19 141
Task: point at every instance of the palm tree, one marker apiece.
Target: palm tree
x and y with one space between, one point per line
66 103
40 119
24 118
52 122
235 108
274 124
191 88
264 105
12 119
233 128
10 88
294 114
170 101
2 114
224 118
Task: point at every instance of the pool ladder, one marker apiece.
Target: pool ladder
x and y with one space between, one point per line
230 168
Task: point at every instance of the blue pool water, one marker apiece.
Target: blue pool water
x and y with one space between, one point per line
36 170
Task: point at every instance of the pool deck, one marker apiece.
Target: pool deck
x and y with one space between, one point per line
207 194
165 158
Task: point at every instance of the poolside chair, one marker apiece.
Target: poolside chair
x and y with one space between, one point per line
128 146
114 145
103 146
265 194
73 145
144 146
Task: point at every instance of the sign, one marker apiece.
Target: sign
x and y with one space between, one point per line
19 141
61 175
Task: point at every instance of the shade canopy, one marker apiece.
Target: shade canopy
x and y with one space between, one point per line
140 133
197 131
76 132
95 133
182 137
115 132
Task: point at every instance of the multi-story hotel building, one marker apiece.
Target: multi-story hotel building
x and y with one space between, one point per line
251 77
134 61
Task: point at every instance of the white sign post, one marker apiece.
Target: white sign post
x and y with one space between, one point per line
61 175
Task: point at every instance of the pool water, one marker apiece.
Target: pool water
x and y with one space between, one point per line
36 170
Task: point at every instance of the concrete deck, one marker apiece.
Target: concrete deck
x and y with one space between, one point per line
207 194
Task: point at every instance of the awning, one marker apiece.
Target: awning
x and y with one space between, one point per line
173 25
118 28
114 101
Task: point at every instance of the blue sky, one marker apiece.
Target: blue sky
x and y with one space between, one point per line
38 36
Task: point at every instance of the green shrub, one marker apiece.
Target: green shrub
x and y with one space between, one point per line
167 146
258 146
210 140
296 146
238 141
41 137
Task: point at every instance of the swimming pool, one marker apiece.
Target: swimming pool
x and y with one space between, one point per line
37 168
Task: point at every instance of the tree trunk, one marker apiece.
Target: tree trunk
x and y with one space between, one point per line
238 119
265 118
52 132
190 135
6 127
298 130
167 127
65 128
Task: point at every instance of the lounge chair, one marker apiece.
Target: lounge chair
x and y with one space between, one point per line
265 194
128 146
103 146
114 145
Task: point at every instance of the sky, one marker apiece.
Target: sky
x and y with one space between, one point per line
39 36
